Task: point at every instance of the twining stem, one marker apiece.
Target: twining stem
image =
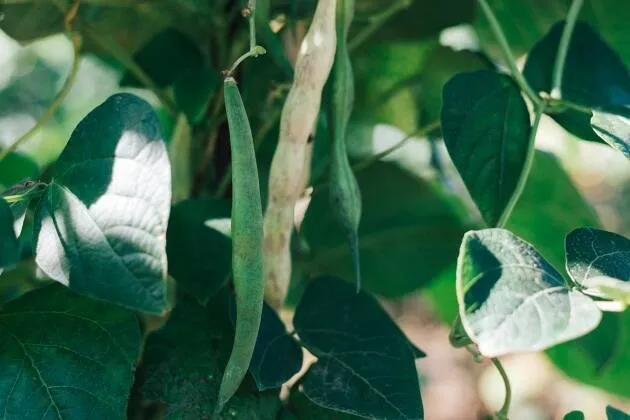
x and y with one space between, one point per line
529 160
502 414
376 22
254 50
507 53
75 38
563 48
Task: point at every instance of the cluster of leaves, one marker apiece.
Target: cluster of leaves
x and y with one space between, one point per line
135 207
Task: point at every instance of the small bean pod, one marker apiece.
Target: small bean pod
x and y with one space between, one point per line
344 193
247 240
286 178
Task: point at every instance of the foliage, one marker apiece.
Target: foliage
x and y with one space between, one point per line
133 254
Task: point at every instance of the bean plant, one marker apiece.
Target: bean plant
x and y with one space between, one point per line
154 264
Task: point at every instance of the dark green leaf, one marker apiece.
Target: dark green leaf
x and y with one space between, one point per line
184 361
193 89
107 206
486 130
512 300
165 58
66 357
524 22
574 415
613 129
441 64
277 356
16 167
613 413
594 75
600 260
365 366
406 223
199 246
9 244
305 409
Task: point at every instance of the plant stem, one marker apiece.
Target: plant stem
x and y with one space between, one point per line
507 53
527 167
254 50
372 159
563 48
502 414
56 103
376 22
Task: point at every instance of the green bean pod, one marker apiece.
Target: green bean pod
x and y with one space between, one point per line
344 193
247 240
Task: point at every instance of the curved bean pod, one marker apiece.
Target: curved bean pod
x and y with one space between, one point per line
299 113
247 240
344 193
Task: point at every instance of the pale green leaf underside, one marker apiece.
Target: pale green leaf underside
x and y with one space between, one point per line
600 261
512 300
101 227
613 129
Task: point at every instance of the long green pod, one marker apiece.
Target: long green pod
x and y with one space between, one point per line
247 242
345 196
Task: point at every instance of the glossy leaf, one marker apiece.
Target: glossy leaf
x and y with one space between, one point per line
594 75
407 223
600 260
305 409
277 356
184 360
613 129
108 206
365 366
66 357
199 246
512 300
613 413
485 124
441 64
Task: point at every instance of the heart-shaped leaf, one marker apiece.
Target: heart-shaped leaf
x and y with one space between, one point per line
613 129
365 365
512 300
277 356
184 360
613 413
66 357
600 260
486 130
101 227
199 251
594 75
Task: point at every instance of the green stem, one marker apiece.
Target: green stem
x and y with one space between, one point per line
254 50
372 159
507 53
527 167
563 48
376 22
56 103
252 25
502 414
